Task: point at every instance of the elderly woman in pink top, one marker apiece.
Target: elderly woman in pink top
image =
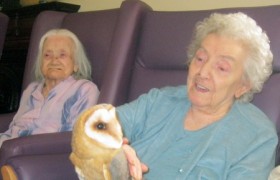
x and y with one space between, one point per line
62 91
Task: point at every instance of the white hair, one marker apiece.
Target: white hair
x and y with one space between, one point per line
80 57
258 65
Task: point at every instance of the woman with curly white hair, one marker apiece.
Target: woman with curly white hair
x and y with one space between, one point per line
207 129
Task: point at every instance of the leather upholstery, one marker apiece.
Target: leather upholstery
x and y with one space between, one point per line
157 57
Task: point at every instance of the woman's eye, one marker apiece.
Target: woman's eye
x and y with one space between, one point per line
223 68
199 59
200 56
62 55
47 55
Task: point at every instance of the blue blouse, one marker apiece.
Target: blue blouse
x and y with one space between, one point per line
239 146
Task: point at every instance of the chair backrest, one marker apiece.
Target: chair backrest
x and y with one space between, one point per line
108 37
161 54
94 29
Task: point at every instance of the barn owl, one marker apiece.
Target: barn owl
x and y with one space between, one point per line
97 145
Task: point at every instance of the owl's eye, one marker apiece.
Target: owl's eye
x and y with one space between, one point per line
100 126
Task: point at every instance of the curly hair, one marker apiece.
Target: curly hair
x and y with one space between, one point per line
239 26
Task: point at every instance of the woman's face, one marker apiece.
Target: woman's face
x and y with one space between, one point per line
57 58
215 75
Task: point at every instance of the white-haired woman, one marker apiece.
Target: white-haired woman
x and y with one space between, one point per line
207 129
62 89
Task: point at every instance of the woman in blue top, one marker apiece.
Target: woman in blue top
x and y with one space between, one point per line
207 129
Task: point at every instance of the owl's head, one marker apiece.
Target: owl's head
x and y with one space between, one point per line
103 126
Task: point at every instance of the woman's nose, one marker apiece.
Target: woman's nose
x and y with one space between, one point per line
205 70
54 59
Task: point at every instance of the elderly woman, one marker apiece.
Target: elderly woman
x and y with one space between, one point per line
62 91
207 129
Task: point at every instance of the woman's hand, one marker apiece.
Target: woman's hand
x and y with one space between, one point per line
136 168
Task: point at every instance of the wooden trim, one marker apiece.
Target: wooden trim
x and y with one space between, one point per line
8 173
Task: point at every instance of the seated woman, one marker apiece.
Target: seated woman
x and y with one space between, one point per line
207 129
62 91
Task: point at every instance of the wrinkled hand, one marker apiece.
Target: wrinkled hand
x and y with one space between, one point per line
136 168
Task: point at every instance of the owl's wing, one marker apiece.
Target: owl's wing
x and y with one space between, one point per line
79 173
119 167
106 172
77 163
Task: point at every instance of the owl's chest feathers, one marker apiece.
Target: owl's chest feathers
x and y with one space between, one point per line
104 156
97 165
98 155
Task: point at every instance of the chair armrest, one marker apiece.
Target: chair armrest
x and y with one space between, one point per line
51 143
44 167
8 173
5 120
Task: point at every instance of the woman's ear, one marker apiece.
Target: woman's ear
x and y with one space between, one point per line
244 88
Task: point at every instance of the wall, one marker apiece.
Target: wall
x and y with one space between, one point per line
173 5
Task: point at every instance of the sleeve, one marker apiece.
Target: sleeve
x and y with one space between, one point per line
133 115
257 162
20 123
85 97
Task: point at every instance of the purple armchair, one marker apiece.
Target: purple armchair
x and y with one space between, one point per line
109 37
158 60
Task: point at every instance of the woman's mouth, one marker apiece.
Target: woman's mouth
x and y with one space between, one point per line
55 68
201 88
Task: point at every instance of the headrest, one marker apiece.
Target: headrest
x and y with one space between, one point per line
166 35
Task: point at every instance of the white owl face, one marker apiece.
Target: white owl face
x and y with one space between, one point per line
103 126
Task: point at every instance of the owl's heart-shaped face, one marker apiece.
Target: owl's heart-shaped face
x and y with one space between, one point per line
103 126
